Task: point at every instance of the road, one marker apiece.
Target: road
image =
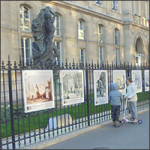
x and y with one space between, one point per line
128 136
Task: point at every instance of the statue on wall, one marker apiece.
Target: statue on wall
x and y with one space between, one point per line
43 29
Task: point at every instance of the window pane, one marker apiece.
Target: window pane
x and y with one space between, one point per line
98 2
81 25
101 55
117 56
24 18
57 20
116 37
26 50
58 45
100 34
82 56
22 47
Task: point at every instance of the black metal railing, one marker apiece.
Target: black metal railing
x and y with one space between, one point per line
19 129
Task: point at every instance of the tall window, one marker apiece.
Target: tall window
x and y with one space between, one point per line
57 25
58 45
82 56
115 5
26 50
146 10
100 33
101 54
24 18
117 56
116 37
81 29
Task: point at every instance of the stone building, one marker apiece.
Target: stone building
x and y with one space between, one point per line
102 31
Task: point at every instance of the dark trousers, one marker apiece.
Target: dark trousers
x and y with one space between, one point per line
115 112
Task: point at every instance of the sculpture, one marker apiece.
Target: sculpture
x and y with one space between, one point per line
43 29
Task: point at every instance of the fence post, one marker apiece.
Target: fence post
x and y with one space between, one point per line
11 104
87 93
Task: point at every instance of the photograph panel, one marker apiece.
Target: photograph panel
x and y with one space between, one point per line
72 86
38 89
137 80
100 87
119 77
146 79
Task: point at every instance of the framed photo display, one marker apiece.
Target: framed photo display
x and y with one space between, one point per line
38 90
119 77
100 87
146 80
137 80
72 86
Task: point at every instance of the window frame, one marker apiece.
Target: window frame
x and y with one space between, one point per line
100 34
117 34
98 2
59 51
81 31
117 56
82 50
24 19
114 5
101 55
24 50
57 30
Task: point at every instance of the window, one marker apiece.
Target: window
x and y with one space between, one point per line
116 37
25 18
101 55
57 25
147 10
58 45
115 5
82 56
117 56
100 33
98 2
81 26
26 50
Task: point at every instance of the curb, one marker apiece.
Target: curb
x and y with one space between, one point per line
61 138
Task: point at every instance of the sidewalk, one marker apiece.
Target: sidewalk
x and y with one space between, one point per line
75 134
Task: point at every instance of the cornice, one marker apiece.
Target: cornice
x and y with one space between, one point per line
106 17
85 11
136 25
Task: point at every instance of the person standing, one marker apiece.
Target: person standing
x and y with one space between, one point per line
115 99
131 96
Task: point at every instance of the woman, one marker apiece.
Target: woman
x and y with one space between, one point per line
132 99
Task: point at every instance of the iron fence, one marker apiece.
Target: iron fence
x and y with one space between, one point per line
19 129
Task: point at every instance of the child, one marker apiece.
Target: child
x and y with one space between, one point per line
115 98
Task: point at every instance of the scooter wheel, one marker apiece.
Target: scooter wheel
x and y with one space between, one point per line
117 126
123 121
140 121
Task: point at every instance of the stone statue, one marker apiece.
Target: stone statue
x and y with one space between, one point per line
43 29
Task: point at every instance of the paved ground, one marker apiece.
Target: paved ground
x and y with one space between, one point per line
128 136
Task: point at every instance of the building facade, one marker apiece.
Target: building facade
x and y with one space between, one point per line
85 31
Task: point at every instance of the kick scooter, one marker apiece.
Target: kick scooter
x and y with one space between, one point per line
125 120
